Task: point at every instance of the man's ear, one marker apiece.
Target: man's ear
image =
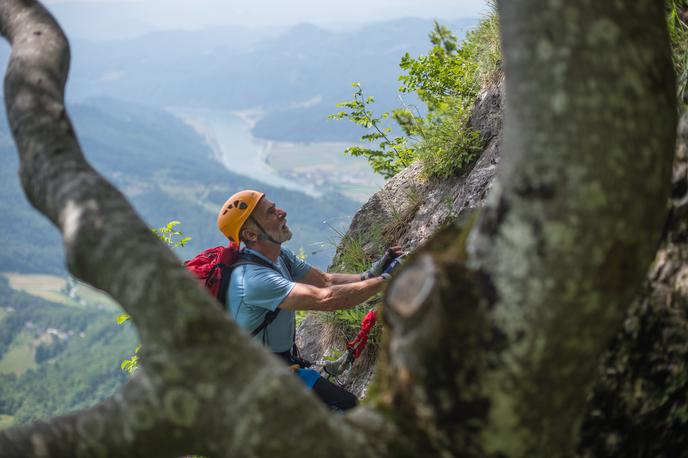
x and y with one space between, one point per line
247 235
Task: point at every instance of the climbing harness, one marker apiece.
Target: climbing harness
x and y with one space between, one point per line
354 348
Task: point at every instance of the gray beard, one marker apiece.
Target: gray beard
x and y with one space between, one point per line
281 236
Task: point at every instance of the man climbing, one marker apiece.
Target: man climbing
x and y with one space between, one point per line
270 283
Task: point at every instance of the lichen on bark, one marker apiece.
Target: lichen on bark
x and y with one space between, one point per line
638 404
569 237
494 359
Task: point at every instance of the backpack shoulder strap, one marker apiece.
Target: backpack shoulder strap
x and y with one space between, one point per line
288 263
269 318
243 259
247 258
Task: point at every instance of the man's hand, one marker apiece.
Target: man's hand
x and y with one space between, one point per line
392 266
379 266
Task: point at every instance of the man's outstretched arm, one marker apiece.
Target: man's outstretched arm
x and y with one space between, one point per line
320 279
336 297
315 277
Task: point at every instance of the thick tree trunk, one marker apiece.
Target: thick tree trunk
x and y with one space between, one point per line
638 405
590 124
204 387
489 351
566 239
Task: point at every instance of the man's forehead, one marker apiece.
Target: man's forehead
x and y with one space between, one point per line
265 204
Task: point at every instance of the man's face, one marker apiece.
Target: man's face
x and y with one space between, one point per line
273 220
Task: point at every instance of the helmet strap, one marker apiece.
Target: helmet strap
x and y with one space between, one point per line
264 235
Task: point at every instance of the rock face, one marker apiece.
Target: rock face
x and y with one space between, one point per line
410 208
638 405
407 211
639 402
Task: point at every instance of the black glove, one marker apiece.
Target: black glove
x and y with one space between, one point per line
392 266
381 264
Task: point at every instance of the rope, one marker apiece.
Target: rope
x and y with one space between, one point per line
357 345
354 348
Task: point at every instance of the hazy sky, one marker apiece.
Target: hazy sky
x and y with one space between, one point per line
166 14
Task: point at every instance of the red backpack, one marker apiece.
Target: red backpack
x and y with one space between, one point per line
209 266
213 268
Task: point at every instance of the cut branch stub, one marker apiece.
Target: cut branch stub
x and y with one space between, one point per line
411 288
440 341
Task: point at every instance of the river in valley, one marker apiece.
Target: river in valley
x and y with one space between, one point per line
229 135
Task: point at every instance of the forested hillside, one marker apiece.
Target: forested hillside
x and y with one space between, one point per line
56 358
167 171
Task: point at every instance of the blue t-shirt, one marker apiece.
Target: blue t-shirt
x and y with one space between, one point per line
255 290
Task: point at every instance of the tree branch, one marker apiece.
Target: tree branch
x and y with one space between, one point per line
580 203
488 350
106 243
497 357
204 386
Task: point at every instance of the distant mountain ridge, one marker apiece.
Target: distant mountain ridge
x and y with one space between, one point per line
237 68
108 20
167 172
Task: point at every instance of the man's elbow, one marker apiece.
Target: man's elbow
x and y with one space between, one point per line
327 279
327 300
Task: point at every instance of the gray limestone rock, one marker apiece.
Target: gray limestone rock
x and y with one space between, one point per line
407 211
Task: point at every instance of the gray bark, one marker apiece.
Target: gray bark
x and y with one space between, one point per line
590 128
638 402
563 244
488 350
204 387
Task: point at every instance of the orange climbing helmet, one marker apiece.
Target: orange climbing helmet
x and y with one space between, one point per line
236 211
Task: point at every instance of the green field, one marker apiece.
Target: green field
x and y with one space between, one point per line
6 421
51 288
325 165
96 297
44 286
20 357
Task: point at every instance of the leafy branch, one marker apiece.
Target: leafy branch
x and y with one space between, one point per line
174 239
448 80
391 154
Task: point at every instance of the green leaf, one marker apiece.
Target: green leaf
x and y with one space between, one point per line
123 318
